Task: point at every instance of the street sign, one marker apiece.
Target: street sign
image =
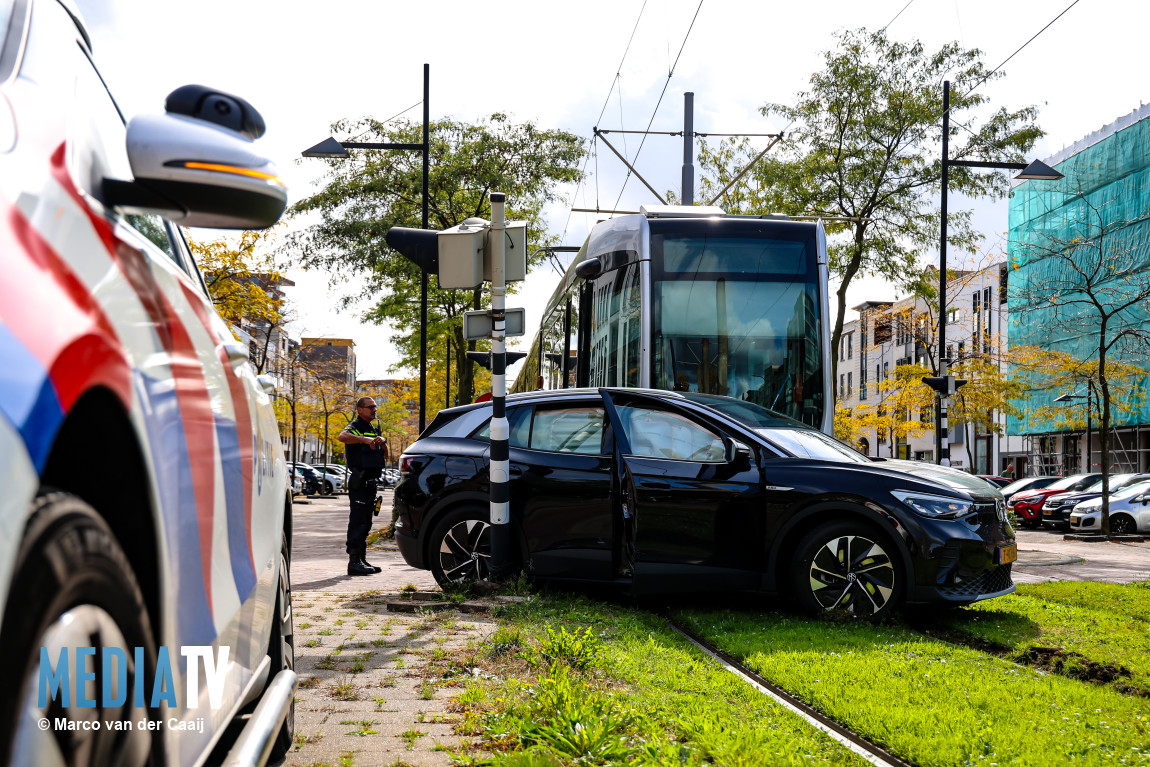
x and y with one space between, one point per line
477 325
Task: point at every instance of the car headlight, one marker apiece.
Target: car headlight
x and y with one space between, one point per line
936 506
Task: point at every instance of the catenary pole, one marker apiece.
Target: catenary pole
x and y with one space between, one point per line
500 467
688 191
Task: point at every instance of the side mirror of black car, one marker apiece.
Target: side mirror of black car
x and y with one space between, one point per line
735 451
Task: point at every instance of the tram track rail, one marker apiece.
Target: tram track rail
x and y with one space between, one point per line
866 749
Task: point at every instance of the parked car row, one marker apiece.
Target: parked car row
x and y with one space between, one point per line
1027 504
329 478
317 480
1075 502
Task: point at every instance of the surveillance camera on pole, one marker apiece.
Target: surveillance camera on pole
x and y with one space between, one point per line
463 257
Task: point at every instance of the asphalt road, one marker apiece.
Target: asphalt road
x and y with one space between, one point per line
1044 556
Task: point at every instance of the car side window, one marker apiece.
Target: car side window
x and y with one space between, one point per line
152 229
661 434
568 430
519 423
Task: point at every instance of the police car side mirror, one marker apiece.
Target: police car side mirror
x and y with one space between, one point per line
197 164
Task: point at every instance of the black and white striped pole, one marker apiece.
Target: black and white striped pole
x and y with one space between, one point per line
945 385
500 466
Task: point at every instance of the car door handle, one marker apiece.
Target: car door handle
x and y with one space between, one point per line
237 353
515 471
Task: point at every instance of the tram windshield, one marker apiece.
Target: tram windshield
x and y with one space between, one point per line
738 315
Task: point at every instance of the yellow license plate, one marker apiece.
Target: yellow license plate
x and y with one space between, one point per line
1007 554
1046 512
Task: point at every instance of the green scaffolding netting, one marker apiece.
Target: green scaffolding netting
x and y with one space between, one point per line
1085 235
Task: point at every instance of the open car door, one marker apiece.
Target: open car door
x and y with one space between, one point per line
690 499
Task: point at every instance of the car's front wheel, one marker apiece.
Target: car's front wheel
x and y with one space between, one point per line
848 566
73 587
1121 524
460 548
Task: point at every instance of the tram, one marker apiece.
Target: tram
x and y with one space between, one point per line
687 298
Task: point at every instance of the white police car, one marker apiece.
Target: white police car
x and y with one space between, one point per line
137 618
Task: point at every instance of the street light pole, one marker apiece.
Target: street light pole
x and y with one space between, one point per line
1036 170
423 272
331 147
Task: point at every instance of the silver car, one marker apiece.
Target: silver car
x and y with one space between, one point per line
1129 512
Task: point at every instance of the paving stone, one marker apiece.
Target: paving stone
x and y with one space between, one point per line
392 648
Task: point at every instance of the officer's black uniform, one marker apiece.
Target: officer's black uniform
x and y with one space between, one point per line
366 465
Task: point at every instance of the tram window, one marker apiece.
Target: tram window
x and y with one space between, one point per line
616 324
738 339
734 255
554 344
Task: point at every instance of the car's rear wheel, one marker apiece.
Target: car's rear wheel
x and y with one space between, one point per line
460 548
281 650
850 567
73 587
1121 524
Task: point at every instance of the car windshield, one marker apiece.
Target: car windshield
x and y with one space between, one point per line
754 416
808 443
1065 483
1133 490
1026 483
1117 482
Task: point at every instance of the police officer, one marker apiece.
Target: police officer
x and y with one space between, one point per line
366 458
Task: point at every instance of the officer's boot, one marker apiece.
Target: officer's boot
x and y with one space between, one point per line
363 559
356 565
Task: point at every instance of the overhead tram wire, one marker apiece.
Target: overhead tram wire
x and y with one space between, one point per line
1028 42
618 74
966 127
908 4
655 111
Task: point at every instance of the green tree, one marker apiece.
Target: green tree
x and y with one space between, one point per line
865 146
370 192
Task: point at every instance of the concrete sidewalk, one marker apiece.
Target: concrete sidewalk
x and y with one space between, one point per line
375 686
319 561
1044 556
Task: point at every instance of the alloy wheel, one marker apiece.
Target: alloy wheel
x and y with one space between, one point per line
84 625
465 551
852 573
1121 526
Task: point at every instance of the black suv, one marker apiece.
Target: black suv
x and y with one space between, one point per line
665 492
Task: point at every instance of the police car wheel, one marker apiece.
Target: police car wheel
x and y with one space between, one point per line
73 587
281 650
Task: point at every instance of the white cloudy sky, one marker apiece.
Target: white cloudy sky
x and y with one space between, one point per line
305 65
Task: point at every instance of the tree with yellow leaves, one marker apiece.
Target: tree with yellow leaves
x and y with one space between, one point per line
245 285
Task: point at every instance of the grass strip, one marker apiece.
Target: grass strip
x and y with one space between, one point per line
1091 631
930 702
598 683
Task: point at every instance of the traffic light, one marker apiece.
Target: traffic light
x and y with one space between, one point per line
944 385
483 359
419 246
461 256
